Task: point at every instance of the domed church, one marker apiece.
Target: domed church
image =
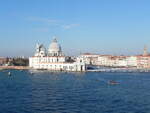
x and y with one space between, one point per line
54 59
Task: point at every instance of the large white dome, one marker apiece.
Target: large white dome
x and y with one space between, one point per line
54 48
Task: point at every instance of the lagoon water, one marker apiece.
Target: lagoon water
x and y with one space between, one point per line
47 92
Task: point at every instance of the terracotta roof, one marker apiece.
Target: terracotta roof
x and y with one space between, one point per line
89 54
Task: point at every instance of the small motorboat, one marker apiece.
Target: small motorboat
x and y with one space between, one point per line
9 73
112 82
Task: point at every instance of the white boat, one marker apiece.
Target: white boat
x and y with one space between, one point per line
9 73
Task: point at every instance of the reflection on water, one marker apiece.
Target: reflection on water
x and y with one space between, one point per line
49 92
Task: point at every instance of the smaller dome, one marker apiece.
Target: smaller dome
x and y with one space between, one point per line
42 48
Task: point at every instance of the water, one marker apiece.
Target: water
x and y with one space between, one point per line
46 92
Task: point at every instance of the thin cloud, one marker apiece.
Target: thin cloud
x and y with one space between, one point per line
69 26
43 20
52 22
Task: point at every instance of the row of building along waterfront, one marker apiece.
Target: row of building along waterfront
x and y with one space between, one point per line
53 58
137 61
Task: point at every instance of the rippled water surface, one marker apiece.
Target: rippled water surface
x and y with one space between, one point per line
47 92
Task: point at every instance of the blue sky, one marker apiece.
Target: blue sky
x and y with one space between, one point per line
97 26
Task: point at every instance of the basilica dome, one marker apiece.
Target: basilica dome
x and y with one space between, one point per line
54 48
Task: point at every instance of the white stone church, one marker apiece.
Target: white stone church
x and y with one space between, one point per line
54 59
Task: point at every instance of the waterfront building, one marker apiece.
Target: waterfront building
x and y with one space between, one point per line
120 61
143 61
117 61
3 61
131 61
106 60
110 61
54 59
90 59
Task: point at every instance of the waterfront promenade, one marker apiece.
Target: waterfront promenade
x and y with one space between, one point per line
14 67
93 70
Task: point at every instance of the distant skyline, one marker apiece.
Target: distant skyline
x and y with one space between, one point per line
117 27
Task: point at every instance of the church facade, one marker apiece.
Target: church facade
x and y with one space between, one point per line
54 59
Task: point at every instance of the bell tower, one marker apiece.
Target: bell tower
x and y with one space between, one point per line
145 53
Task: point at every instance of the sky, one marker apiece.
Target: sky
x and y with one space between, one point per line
117 27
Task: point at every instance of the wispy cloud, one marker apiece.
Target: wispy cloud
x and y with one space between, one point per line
69 26
53 22
42 20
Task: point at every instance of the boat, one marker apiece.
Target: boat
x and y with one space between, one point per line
112 82
9 73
